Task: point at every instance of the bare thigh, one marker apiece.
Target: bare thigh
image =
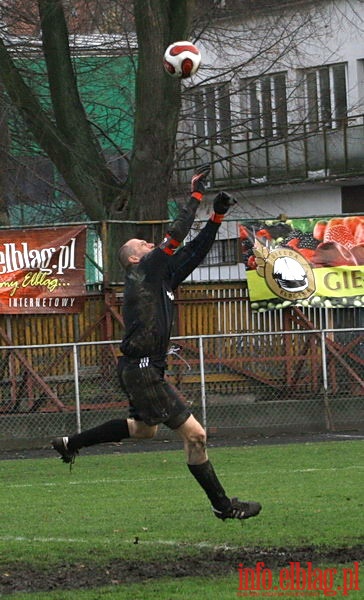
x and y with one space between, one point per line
140 430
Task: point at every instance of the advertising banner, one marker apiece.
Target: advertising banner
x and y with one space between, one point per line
42 270
304 262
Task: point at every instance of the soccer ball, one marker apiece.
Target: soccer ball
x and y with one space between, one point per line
182 59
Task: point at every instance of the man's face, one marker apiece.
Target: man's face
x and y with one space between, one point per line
138 249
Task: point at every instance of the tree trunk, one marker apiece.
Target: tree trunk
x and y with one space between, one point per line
158 101
4 153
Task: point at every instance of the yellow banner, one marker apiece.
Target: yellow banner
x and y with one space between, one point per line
335 282
339 282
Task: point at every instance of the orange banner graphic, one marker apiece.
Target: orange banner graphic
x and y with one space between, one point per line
42 270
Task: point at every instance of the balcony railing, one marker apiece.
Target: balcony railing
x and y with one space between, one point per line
305 153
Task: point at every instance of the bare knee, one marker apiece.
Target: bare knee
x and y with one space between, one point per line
140 430
194 438
195 448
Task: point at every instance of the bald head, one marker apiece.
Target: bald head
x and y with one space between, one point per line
133 251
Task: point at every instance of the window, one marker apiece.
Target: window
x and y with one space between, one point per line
212 113
352 199
223 252
324 95
264 105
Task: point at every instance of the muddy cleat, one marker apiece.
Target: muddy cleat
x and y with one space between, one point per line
238 510
61 446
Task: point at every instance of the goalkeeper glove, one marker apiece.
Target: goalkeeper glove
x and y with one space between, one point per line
222 203
198 182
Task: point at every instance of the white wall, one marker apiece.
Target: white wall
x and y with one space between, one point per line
270 202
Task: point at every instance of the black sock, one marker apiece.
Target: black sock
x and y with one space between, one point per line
207 478
111 431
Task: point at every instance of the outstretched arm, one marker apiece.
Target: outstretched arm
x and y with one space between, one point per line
192 254
178 230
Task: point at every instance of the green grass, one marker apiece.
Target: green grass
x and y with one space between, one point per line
312 494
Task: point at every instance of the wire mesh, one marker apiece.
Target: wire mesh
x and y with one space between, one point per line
235 384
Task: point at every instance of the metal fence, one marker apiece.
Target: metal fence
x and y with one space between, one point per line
236 384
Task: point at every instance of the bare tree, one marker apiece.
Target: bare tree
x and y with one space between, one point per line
4 147
66 135
243 50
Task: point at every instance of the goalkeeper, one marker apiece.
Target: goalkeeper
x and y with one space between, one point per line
152 275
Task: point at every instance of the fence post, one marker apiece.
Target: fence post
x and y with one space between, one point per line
77 388
105 254
203 387
324 363
328 415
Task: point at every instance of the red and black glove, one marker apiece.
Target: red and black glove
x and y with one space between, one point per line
222 203
198 181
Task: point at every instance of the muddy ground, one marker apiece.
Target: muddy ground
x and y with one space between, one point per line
219 562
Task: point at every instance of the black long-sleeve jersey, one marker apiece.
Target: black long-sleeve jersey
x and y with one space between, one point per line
150 285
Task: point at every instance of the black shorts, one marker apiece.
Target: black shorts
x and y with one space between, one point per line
151 398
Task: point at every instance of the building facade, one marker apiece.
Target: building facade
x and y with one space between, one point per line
278 110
